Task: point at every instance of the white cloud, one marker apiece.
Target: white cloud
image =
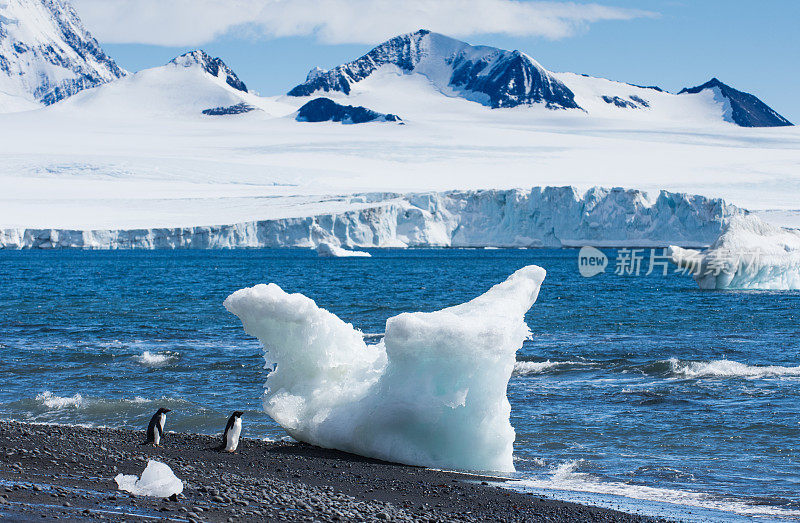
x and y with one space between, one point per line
195 22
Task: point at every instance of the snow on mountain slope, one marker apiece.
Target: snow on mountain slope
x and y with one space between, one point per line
213 66
436 66
187 85
490 76
602 98
46 54
11 103
741 108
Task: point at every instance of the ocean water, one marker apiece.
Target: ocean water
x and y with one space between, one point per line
642 393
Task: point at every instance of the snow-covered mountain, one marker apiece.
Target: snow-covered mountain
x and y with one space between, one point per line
741 108
499 78
490 76
46 54
191 85
213 66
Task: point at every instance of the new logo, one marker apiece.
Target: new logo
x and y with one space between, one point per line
591 261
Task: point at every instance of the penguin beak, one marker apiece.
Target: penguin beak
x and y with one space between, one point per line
167 410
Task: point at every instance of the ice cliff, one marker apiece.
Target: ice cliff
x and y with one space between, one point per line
749 254
538 217
432 393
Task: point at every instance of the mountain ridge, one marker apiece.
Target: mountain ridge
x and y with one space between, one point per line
214 66
47 55
746 110
494 77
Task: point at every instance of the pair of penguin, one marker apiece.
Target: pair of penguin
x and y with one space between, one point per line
230 437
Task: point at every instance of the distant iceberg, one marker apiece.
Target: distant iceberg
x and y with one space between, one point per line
431 393
749 254
326 250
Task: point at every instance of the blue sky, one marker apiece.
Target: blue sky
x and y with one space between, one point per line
752 46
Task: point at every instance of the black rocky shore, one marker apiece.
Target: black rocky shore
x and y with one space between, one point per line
66 473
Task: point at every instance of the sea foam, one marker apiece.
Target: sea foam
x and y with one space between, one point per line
568 477
431 393
51 401
728 369
155 359
523 368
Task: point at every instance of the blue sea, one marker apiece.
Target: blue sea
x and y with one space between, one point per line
637 392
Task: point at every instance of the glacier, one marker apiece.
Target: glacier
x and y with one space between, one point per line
537 217
749 254
431 393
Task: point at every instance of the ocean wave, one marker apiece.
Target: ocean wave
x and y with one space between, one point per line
567 477
156 359
524 368
51 401
727 369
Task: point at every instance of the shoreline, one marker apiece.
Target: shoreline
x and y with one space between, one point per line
66 472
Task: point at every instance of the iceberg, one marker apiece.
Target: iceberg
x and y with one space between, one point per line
157 480
431 393
326 250
749 254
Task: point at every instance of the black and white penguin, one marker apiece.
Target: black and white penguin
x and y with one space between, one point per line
233 430
155 430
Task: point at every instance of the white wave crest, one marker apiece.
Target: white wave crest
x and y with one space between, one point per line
524 368
728 369
565 477
156 359
51 401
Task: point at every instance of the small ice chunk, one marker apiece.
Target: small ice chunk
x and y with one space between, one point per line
431 393
749 254
157 480
327 250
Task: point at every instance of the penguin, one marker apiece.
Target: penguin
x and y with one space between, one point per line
155 430
230 438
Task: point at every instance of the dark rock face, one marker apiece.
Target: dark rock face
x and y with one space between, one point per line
213 66
619 102
746 109
653 87
92 67
512 80
634 102
239 108
491 76
326 110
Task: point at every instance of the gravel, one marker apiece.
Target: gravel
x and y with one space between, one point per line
49 471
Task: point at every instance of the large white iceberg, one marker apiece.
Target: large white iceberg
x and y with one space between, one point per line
749 254
432 393
157 480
